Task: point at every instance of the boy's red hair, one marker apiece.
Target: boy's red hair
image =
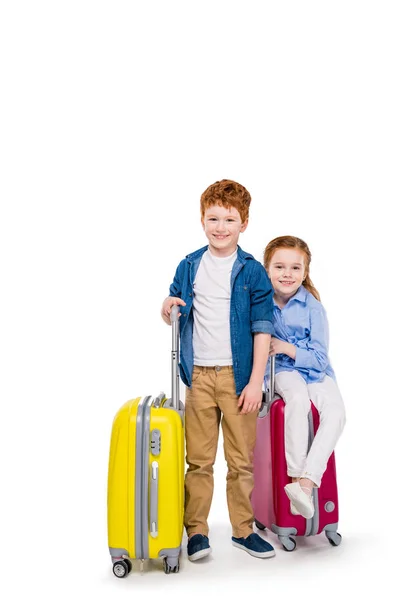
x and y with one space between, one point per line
226 193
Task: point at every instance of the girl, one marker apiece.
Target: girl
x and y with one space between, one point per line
303 370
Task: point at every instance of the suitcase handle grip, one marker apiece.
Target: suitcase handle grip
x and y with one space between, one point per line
174 313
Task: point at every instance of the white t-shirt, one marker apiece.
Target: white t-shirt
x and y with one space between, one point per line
211 311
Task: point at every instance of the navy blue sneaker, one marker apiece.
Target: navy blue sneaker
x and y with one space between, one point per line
254 545
198 547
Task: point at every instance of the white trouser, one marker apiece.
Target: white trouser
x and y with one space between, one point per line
327 400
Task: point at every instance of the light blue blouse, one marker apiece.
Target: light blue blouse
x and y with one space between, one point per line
303 323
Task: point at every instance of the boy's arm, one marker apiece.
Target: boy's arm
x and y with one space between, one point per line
261 305
175 291
261 345
251 397
261 315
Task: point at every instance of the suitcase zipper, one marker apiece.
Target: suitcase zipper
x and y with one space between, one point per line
141 477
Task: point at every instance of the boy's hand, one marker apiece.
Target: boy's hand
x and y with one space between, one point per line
167 305
250 399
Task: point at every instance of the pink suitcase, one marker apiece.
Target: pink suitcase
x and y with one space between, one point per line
270 503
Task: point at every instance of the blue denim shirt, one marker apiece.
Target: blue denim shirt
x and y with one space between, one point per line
303 323
250 312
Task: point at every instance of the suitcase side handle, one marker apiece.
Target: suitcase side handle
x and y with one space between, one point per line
154 500
175 357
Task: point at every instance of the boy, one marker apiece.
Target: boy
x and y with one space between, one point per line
225 329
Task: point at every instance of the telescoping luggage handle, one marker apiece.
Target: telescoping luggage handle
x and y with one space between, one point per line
271 379
174 400
268 396
175 357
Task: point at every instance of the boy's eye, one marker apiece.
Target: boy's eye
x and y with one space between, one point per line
278 267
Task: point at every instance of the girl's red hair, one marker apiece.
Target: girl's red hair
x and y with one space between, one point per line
289 241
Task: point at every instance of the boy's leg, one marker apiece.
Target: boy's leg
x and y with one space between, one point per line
293 389
202 418
239 439
326 397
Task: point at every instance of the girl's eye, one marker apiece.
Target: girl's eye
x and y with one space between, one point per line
296 268
278 267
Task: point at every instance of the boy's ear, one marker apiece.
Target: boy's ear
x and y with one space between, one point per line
244 226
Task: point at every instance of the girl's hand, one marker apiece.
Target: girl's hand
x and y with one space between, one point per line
277 346
166 308
280 347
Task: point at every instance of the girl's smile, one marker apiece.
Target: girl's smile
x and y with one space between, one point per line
286 272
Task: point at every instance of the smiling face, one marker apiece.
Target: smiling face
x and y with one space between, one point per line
287 271
222 227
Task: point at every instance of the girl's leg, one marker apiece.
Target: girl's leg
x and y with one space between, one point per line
293 389
326 397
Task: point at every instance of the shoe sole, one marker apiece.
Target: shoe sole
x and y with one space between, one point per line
268 554
200 554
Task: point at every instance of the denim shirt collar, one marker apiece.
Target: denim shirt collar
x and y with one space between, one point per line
241 255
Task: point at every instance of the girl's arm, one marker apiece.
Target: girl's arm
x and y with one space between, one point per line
312 353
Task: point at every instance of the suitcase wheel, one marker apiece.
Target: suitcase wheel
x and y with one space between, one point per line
259 525
170 569
121 568
288 543
334 538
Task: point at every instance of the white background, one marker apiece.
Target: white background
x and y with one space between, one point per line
115 116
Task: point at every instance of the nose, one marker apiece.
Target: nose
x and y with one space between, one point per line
220 226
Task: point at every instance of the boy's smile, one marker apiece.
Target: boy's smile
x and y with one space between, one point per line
222 227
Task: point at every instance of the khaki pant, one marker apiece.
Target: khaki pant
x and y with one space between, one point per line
212 400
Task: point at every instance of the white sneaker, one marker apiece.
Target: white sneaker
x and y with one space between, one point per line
293 509
301 501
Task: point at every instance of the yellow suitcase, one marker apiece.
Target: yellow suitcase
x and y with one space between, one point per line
146 477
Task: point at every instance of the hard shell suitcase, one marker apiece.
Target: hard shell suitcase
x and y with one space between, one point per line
270 502
146 477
